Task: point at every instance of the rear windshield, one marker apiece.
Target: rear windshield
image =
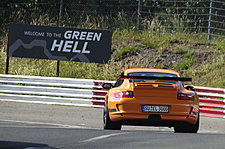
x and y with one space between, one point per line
153 74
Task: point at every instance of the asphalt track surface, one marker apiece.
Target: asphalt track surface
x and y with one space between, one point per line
38 126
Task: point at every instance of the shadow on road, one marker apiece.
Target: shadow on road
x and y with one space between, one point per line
23 145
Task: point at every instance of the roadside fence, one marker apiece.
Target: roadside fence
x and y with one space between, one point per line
194 16
87 92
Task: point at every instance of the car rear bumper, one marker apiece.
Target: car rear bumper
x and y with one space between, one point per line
152 118
177 113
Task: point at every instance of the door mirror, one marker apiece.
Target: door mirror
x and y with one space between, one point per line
190 88
107 85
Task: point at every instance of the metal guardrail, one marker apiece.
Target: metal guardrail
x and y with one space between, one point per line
50 90
87 92
211 101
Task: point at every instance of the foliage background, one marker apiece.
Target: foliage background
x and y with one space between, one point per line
173 35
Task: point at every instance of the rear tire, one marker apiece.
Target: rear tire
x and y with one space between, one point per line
108 124
187 128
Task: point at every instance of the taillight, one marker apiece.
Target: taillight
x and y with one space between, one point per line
182 96
127 94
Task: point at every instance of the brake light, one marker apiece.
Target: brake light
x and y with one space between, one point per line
182 96
127 94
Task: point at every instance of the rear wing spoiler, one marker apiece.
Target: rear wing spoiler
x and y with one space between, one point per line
156 78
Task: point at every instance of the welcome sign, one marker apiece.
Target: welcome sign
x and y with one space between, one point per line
59 43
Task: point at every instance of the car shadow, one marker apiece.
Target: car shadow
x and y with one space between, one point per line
23 145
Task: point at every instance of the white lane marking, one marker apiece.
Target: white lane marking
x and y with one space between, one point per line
209 131
102 137
41 123
52 103
8 126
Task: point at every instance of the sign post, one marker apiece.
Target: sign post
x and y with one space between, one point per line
59 24
7 65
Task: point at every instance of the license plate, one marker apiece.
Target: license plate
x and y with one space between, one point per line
160 109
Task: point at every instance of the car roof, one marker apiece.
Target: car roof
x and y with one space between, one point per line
126 71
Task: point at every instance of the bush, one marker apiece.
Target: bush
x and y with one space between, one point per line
221 46
124 51
186 64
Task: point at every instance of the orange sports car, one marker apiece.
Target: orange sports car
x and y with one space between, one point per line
151 97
